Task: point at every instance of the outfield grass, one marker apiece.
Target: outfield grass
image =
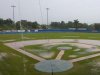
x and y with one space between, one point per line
55 35
19 64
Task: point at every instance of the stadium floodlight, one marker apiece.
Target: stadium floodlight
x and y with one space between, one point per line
20 21
47 26
13 6
47 15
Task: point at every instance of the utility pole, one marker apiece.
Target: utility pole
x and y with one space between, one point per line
13 12
47 16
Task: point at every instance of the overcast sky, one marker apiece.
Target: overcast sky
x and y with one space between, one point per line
87 11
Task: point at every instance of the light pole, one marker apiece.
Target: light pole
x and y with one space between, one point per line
47 16
20 22
13 12
47 26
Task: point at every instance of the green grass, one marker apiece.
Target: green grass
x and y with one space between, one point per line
55 35
13 63
41 49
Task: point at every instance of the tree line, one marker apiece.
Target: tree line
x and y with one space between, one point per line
9 24
74 24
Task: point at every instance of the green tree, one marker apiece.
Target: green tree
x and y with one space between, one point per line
1 21
70 24
97 26
35 25
43 27
18 25
76 23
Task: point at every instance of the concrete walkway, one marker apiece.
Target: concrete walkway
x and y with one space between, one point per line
85 57
59 56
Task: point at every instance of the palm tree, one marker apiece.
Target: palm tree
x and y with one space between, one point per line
76 23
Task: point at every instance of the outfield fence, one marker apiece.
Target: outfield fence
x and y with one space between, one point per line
45 30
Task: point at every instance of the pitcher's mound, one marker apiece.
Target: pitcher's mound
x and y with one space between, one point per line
53 66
